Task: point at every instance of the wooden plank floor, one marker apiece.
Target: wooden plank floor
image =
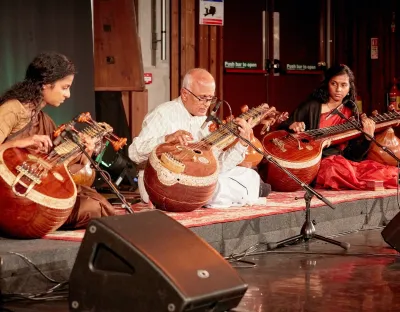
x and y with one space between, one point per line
310 277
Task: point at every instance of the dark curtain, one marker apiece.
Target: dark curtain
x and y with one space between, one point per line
29 27
110 109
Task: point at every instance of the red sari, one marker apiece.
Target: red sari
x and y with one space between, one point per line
339 173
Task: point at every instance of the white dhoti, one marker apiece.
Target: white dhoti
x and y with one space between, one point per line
237 187
142 190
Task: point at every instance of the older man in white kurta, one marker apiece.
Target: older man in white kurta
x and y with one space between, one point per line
236 185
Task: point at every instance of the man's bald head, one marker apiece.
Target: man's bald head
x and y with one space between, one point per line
198 76
198 84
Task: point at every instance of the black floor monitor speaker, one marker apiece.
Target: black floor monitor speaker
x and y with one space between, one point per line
147 261
391 233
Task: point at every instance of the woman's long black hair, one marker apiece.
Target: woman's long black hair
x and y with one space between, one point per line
46 68
321 94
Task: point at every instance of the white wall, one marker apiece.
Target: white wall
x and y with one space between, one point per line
159 90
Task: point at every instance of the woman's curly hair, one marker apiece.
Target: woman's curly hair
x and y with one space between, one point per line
46 68
321 94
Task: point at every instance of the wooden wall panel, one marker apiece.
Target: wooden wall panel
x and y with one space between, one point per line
183 38
118 57
203 46
220 64
175 49
138 111
193 45
135 110
213 57
188 25
117 53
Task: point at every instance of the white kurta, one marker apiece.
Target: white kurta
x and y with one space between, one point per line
236 185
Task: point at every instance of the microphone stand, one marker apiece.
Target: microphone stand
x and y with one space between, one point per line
307 231
121 197
356 125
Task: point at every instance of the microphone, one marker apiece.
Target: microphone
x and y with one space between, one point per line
212 114
353 104
333 111
68 133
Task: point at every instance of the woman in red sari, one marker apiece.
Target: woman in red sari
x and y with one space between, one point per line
342 166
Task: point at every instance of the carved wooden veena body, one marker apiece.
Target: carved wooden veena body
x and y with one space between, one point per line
183 178
389 139
37 194
37 191
301 153
252 157
85 176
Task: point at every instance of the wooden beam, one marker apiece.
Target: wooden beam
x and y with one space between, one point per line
183 38
190 34
125 102
202 51
175 43
220 62
136 108
187 36
140 109
213 58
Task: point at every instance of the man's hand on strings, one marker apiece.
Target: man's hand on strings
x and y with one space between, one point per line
267 123
244 128
181 136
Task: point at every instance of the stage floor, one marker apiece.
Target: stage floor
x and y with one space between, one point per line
233 229
308 277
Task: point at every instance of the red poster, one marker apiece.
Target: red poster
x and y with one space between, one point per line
374 48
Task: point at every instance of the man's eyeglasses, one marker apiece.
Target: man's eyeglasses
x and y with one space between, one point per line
205 99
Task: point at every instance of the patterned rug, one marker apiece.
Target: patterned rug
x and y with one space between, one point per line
277 203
